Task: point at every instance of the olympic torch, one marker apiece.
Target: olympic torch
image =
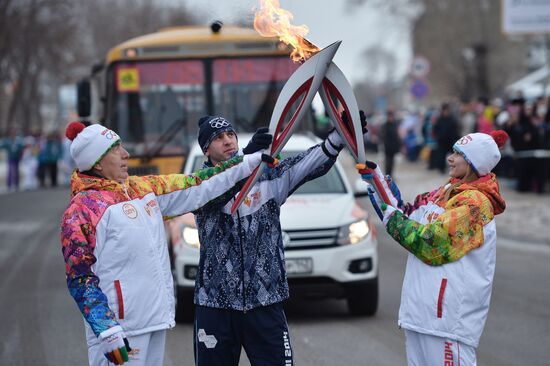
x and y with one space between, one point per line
317 74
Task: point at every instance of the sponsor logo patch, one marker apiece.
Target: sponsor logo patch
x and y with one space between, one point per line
151 206
288 350
465 140
209 340
256 196
129 210
109 134
219 123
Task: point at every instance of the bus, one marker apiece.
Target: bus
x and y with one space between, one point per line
154 88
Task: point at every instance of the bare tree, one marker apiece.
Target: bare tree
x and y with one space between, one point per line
34 32
45 43
108 23
381 65
381 81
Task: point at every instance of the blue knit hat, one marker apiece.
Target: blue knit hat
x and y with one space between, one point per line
210 127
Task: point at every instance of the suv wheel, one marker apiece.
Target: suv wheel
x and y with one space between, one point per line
363 300
185 308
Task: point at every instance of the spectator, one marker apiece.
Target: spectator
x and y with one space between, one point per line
391 141
524 137
14 147
467 118
445 133
50 153
430 145
29 163
410 131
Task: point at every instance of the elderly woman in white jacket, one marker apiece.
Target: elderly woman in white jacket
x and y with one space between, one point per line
114 244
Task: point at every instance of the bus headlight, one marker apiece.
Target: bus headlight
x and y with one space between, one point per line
353 233
190 236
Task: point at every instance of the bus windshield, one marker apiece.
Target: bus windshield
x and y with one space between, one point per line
155 105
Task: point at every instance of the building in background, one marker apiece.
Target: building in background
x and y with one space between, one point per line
470 56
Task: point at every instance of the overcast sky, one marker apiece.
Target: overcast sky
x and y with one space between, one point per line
328 21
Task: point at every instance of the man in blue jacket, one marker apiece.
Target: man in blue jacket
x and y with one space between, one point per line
241 282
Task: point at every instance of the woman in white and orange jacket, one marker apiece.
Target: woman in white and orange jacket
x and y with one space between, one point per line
114 243
450 234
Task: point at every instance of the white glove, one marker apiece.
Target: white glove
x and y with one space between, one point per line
387 211
114 345
333 143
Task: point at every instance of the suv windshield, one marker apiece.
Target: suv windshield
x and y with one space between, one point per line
328 183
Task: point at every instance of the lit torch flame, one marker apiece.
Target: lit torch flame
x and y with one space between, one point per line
271 20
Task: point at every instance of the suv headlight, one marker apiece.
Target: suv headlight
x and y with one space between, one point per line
353 233
190 236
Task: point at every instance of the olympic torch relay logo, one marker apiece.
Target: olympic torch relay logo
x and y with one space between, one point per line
465 140
109 134
129 210
219 123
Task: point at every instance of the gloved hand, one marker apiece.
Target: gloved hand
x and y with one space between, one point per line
271 161
114 345
259 141
364 123
362 118
334 140
382 209
394 189
387 183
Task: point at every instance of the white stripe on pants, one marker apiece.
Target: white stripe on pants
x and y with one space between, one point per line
428 350
147 350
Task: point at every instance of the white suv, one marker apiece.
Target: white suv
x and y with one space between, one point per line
330 243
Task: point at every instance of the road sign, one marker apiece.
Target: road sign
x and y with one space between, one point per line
128 80
419 89
525 17
420 67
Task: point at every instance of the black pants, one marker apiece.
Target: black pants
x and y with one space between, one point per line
49 169
219 335
441 159
389 162
526 170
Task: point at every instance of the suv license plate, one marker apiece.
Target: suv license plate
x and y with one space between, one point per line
299 265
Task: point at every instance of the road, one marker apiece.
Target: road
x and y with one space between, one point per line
41 324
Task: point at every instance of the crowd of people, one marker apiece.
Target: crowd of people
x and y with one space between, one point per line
429 135
36 161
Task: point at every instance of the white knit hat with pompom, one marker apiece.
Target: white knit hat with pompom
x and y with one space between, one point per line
89 144
481 150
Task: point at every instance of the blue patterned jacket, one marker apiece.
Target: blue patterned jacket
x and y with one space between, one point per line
242 263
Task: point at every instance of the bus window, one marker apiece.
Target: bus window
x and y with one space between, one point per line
246 88
157 102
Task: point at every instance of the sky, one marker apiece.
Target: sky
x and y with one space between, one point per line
328 21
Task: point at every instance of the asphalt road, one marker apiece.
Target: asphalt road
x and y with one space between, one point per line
41 325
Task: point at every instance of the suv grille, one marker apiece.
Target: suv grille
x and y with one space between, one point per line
311 239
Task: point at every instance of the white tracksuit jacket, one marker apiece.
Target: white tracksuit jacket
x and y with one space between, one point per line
450 267
115 248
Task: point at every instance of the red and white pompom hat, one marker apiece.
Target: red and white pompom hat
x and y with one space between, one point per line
481 150
89 144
